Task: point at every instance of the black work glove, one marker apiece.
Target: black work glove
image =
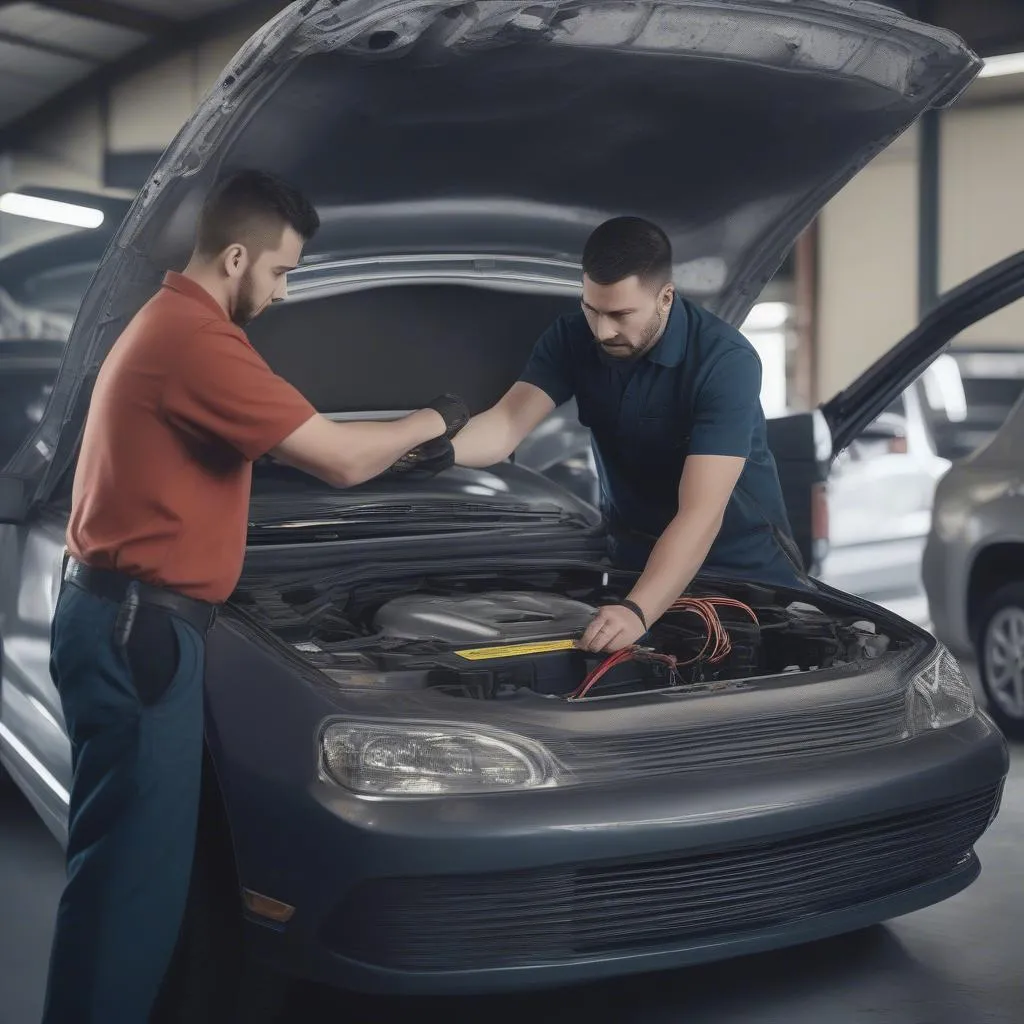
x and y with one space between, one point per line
454 410
427 459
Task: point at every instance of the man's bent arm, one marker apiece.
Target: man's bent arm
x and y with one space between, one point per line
493 435
346 454
705 487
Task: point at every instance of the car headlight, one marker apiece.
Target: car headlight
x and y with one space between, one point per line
939 695
393 759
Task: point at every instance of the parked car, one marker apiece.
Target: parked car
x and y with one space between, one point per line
880 495
414 780
973 565
987 382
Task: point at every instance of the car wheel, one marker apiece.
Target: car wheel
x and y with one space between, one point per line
1000 648
210 980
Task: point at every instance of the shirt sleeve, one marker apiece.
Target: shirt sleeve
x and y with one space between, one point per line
728 406
550 366
220 387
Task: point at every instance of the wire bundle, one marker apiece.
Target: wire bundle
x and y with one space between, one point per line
632 653
717 646
719 643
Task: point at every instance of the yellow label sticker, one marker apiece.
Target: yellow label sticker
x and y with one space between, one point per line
516 650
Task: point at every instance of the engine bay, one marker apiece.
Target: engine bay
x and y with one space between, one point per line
491 636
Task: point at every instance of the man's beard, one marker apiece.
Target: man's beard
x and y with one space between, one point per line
245 304
246 309
621 351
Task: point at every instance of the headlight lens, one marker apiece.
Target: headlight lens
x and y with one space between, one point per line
939 695
391 759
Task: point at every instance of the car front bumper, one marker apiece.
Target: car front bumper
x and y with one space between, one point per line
558 886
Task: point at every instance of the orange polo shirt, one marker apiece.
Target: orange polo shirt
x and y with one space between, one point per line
183 405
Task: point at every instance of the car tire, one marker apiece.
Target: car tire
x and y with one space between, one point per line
1000 639
210 980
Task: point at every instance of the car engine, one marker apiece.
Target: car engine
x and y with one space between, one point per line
504 635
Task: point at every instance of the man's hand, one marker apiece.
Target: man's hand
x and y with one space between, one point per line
427 459
453 410
615 626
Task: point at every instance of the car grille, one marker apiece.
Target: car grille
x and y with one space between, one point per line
837 730
463 922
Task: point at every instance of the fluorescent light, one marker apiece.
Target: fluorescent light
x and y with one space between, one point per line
20 205
1004 64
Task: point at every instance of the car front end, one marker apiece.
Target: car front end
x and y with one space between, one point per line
410 768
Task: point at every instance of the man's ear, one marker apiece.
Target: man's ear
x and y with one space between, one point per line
235 261
668 293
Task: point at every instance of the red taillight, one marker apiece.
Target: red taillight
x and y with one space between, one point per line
819 513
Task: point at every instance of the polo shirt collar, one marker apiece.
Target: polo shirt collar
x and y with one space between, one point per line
671 346
186 286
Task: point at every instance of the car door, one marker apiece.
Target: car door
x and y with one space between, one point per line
34 747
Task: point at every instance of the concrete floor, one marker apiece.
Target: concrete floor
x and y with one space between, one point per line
957 963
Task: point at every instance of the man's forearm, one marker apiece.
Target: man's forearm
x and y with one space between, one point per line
484 441
674 561
375 446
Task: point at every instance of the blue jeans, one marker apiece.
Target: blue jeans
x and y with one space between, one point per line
135 719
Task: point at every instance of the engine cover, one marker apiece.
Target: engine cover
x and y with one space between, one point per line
499 617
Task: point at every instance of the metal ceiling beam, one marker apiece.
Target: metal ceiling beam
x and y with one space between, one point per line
47 47
181 35
111 13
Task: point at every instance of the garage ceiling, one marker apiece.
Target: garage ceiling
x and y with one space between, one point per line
49 49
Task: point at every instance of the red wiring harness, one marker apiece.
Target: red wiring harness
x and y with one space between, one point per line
716 647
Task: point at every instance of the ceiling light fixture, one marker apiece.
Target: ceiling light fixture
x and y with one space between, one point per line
1004 64
20 205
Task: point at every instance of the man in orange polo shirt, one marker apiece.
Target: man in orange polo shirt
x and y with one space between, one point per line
182 407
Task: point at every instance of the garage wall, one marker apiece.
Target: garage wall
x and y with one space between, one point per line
982 210
146 111
868 237
867 256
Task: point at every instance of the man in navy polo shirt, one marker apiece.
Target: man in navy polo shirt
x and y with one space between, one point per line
671 395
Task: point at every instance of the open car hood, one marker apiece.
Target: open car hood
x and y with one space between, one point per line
492 132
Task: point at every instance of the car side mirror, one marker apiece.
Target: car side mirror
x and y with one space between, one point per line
15 498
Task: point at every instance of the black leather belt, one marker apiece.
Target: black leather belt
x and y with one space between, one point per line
113 586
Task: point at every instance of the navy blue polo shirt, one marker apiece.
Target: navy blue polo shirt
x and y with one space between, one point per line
696 392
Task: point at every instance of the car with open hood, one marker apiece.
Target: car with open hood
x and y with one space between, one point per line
414 779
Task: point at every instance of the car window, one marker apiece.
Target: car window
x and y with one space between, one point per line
23 398
989 365
22 321
897 407
59 289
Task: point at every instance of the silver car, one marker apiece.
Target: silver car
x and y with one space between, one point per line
973 567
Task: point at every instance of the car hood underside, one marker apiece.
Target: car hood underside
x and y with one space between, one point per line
498 130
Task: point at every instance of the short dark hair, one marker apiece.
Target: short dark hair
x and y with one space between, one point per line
252 208
626 246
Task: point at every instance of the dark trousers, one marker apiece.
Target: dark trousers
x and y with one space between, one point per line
135 718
